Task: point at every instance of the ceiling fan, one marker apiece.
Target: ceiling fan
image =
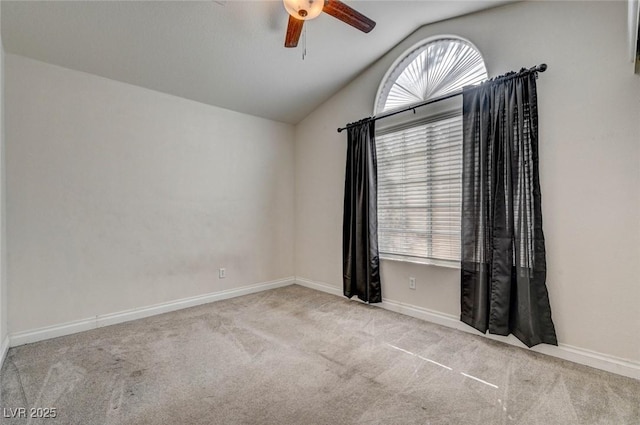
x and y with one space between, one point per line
303 10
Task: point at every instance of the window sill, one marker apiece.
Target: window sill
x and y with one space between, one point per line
426 261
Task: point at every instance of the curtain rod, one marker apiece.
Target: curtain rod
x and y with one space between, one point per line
539 68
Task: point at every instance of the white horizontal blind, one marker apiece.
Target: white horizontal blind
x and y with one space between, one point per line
419 190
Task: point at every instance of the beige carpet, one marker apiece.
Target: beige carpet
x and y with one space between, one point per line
297 356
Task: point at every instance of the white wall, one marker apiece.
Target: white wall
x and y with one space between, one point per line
589 160
120 197
3 251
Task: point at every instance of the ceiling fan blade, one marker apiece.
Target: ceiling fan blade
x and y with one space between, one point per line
294 29
350 16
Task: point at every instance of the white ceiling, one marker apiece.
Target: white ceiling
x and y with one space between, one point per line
223 53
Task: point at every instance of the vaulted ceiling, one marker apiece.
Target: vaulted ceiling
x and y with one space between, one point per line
223 53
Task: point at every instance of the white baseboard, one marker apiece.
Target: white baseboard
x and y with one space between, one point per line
102 320
563 351
4 348
319 286
579 355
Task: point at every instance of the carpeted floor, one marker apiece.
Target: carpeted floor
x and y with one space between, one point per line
297 356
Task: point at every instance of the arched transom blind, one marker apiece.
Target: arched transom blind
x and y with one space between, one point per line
431 70
420 159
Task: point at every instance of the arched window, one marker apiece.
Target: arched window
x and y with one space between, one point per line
420 154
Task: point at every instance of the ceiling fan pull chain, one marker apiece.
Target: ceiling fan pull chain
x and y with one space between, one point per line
304 41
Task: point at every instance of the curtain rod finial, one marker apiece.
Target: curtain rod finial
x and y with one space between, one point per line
542 67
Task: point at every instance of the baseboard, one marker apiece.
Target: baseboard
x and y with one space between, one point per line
102 320
319 286
579 355
4 348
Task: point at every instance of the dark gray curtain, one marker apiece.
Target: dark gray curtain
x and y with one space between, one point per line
361 268
503 250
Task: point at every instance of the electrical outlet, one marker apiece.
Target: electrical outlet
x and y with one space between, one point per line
222 273
412 283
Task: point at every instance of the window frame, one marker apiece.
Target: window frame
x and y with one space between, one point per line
430 114
406 54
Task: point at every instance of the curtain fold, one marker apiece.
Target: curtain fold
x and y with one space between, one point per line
503 270
361 267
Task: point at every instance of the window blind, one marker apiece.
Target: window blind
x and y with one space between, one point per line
419 190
